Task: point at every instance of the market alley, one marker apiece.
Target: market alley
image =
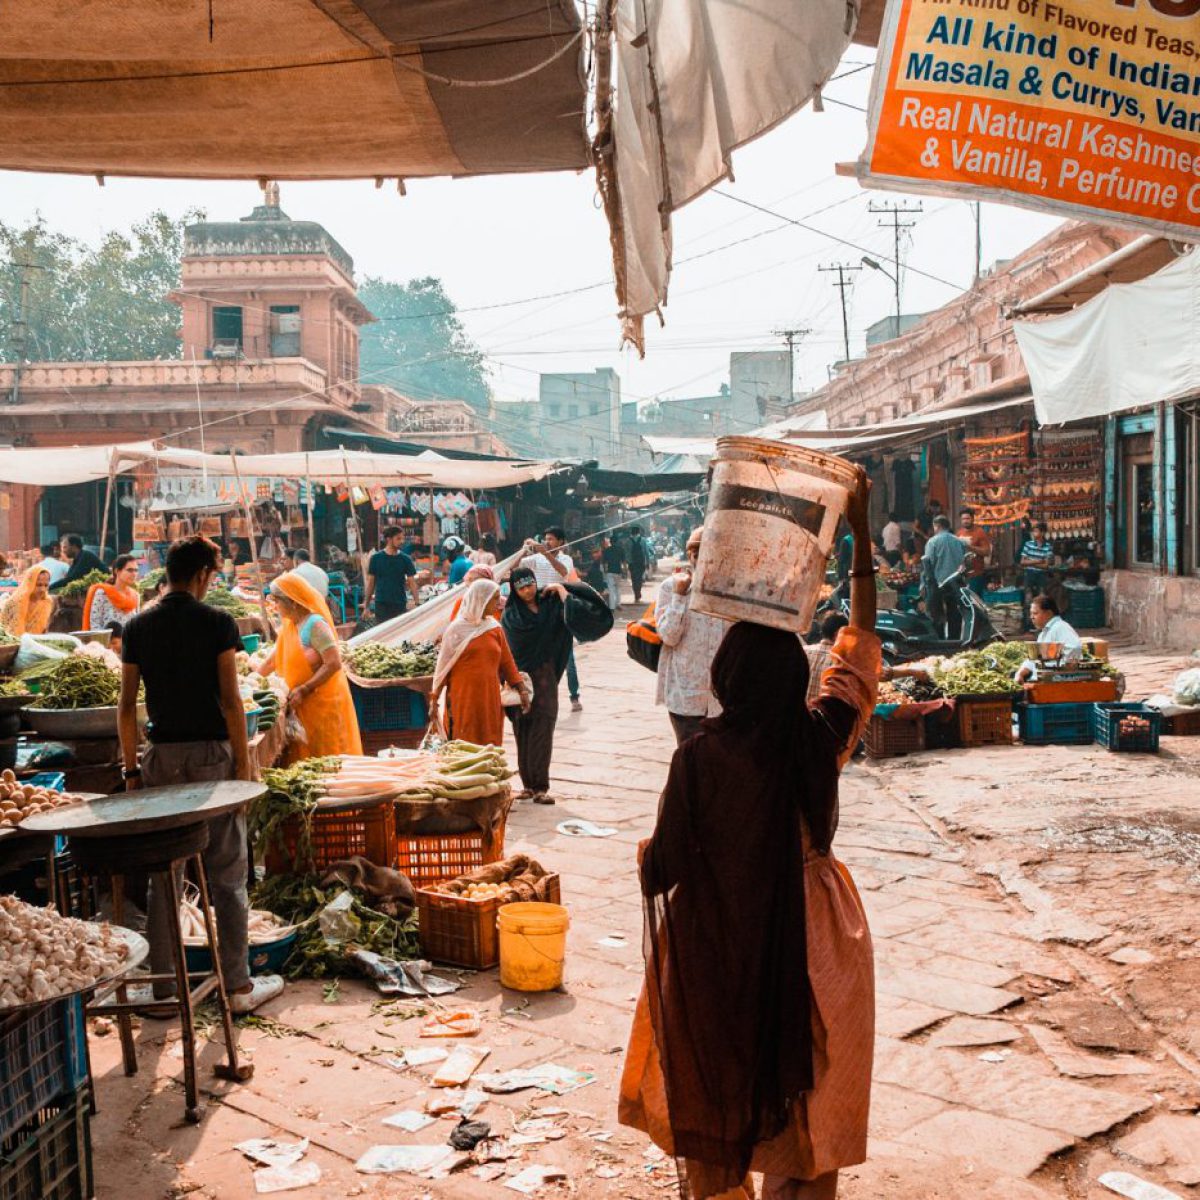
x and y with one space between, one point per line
1032 1019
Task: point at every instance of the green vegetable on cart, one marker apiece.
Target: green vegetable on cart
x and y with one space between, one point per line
373 660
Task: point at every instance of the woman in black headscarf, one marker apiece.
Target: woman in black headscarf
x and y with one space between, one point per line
534 623
752 1043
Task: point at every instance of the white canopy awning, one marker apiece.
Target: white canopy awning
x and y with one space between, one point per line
84 464
1133 344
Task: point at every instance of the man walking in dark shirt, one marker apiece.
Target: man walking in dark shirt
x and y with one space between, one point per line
638 561
391 577
184 651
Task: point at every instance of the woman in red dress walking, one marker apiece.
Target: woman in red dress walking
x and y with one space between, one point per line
472 660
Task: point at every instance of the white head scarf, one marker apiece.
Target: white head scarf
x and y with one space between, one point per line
468 625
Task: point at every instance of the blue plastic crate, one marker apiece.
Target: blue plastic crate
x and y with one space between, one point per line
1106 721
1085 608
386 708
1009 595
52 781
43 1056
1056 724
50 1157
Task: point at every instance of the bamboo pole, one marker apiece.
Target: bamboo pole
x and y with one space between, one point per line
362 550
312 500
112 470
258 575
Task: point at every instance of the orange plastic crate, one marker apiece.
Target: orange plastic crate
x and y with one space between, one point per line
463 932
1080 692
984 722
432 858
891 737
402 739
370 832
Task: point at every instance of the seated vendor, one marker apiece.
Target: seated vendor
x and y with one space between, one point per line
1052 630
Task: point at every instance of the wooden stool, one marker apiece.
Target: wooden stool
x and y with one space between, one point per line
160 853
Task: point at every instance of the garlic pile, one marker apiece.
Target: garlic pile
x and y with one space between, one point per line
43 955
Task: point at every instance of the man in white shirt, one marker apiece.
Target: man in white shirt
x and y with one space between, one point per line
308 570
53 563
547 559
892 540
1052 630
690 643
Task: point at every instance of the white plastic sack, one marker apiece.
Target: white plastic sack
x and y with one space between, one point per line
1187 687
34 650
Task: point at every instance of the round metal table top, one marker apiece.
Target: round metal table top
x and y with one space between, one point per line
150 810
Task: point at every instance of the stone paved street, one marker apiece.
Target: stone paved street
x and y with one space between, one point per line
1036 945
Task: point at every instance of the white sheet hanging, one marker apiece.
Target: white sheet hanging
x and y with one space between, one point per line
1134 344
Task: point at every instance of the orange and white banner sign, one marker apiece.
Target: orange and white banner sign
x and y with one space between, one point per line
1085 107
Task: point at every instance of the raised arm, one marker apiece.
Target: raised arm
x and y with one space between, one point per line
864 595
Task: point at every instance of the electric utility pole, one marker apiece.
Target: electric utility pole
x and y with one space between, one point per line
891 214
843 270
978 241
791 336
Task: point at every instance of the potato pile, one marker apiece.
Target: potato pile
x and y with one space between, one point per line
21 800
476 891
44 956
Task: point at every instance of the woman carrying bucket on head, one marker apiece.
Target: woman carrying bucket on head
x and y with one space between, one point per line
752 1041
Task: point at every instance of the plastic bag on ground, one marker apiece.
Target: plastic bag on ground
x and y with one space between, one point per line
34 650
338 924
1187 687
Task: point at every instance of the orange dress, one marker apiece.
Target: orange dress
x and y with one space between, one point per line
829 1123
473 712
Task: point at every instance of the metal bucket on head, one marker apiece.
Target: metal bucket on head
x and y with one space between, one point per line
773 513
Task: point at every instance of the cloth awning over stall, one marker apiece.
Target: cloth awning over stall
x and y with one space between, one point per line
287 89
1133 344
84 464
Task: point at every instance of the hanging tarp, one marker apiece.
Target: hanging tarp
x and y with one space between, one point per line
293 89
85 464
696 80
1133 344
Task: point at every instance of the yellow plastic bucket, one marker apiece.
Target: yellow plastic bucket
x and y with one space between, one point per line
533 946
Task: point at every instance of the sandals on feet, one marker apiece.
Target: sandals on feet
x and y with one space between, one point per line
543 798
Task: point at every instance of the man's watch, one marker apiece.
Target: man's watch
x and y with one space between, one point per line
131 772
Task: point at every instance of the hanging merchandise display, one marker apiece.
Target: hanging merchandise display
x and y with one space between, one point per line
1066 484
998 477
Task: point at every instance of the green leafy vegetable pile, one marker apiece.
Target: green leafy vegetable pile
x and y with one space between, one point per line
294 792
226 601
299 899
79 587
373 660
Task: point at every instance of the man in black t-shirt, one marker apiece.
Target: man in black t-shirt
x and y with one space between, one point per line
184 651
391 577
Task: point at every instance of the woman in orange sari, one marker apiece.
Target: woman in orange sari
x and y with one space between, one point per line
29 608
113 605
307 657
473 658
752 1042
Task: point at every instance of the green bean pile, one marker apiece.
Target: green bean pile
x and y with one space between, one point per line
294 792
226 601
80 682
985 672
373 660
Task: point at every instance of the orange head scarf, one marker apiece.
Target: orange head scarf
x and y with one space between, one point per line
22 612
327 714
122 601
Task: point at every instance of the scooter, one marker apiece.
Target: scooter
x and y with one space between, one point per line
908 636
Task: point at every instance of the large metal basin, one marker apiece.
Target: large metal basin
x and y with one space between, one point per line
72 723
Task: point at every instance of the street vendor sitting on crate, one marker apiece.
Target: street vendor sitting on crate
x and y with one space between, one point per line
1052 630
184 651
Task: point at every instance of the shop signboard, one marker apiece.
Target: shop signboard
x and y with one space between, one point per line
1089 108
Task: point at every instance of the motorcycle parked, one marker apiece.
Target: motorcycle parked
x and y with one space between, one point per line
908 636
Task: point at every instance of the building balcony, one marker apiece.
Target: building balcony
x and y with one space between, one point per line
165 374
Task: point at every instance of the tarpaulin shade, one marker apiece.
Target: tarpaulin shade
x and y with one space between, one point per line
286 89
330 467
1133 344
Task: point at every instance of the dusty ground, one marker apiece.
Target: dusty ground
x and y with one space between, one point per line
1035 923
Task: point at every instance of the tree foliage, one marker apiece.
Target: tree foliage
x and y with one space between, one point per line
418 344
92 303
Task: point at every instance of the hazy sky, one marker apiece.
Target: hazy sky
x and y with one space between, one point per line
496 240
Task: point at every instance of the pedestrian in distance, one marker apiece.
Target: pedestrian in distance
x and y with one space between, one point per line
753 1038
551 564
638 560
690 641
391 578
184 651
534 624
